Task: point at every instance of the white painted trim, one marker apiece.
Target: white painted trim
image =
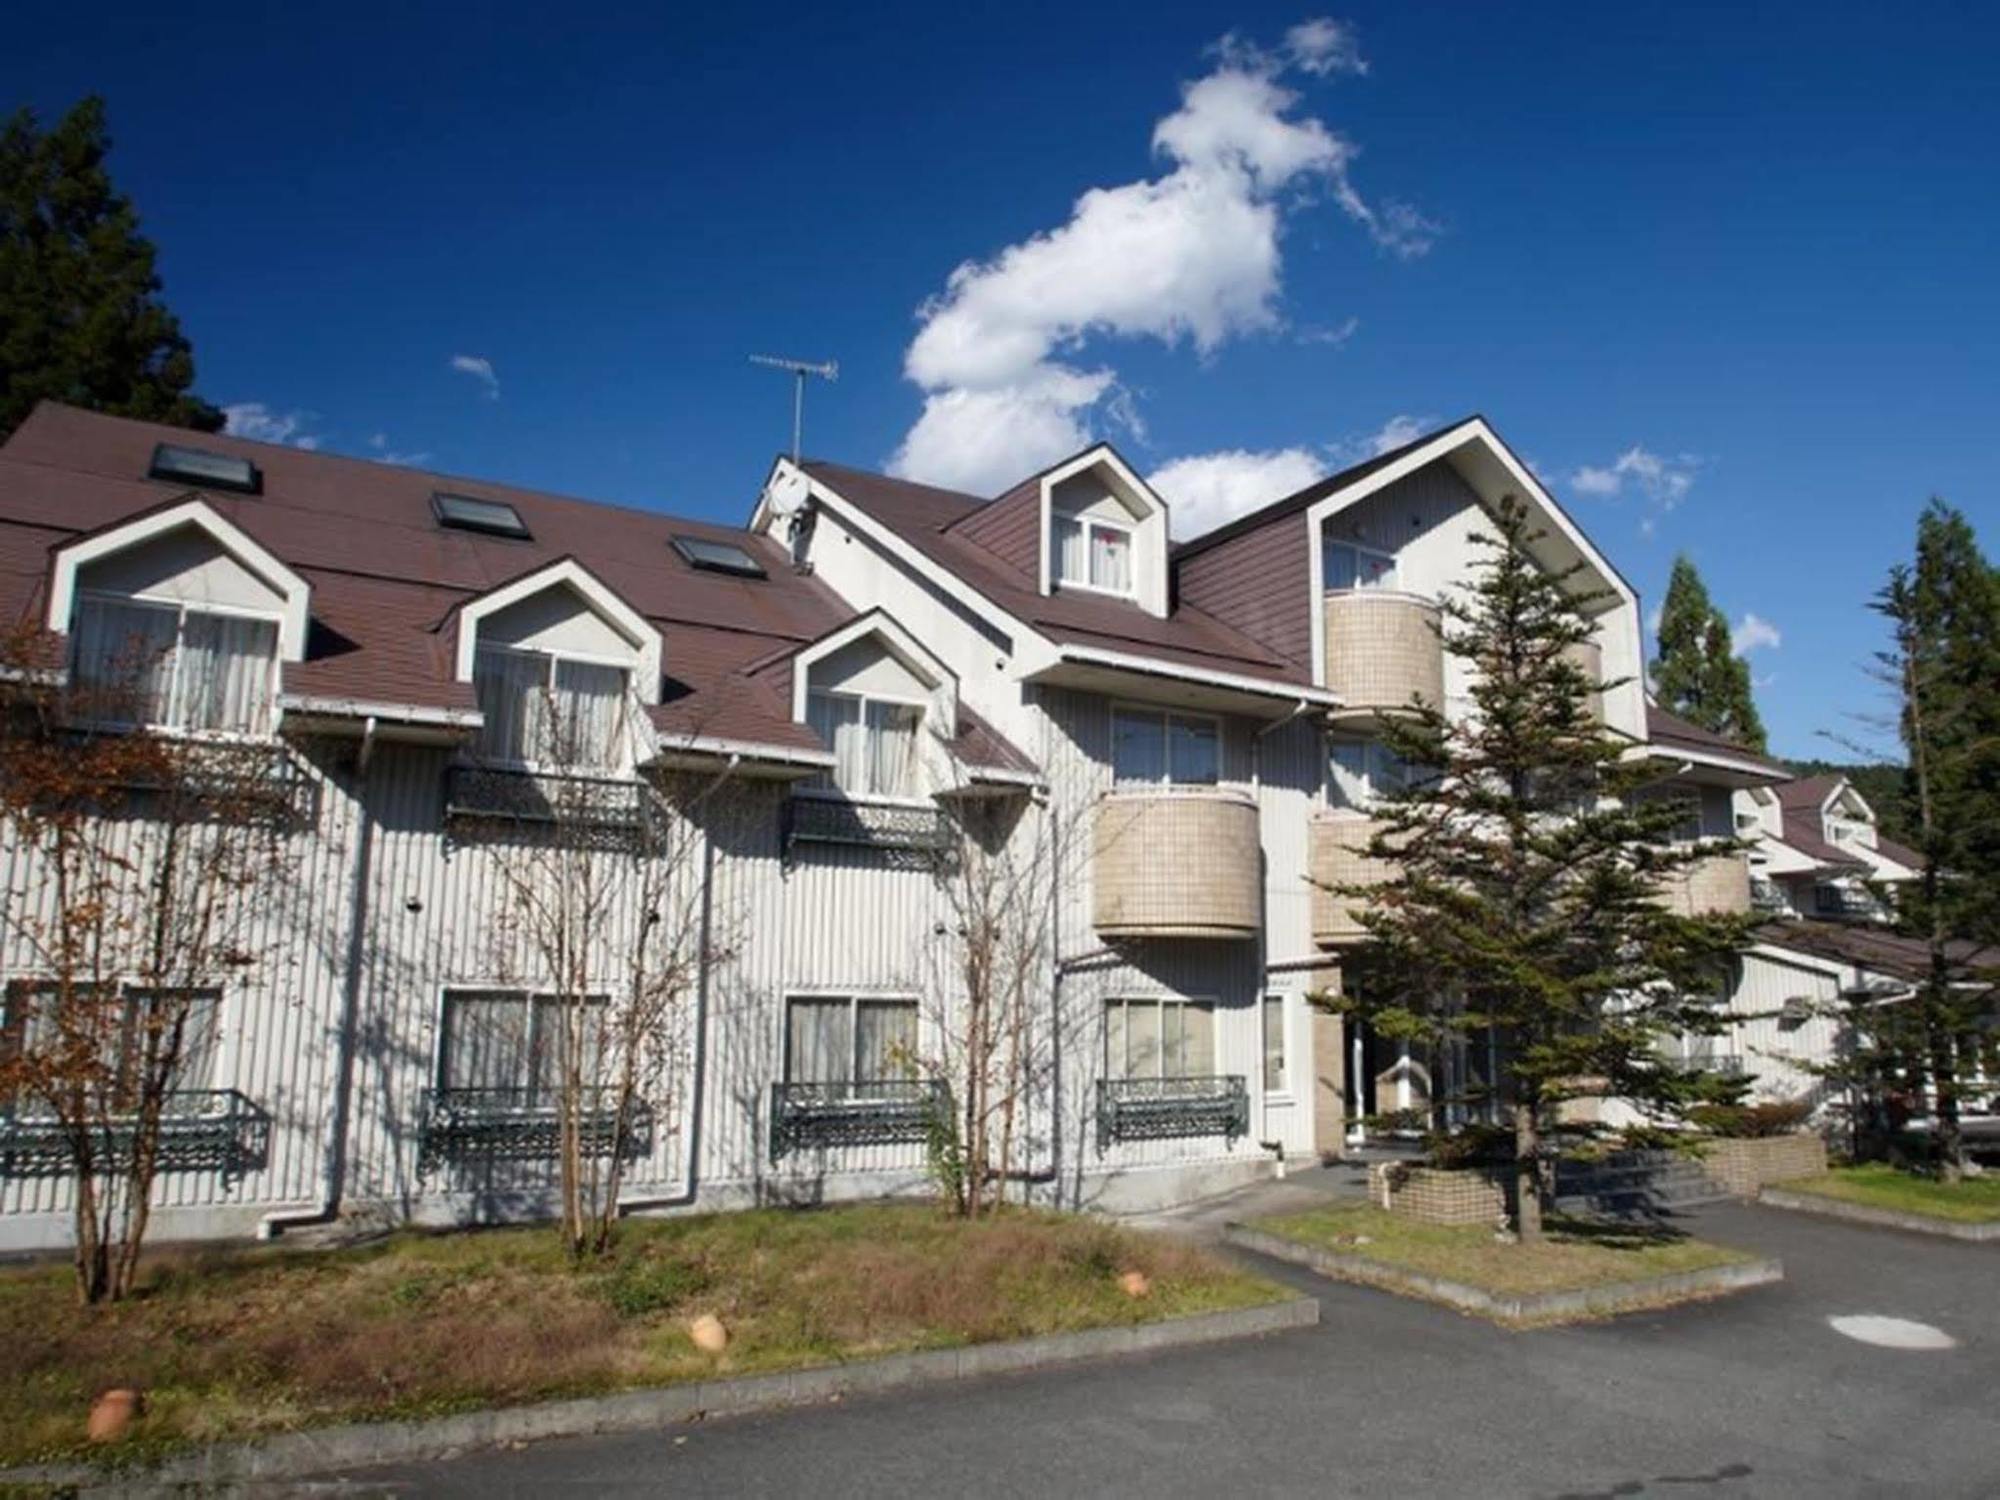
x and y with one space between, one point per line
1102 455
701 744
920 659
1265 687
292 619
361 708
1661 750
597 595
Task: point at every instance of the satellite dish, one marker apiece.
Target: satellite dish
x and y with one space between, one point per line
786 495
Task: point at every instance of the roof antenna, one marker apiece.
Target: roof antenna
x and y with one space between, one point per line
830 371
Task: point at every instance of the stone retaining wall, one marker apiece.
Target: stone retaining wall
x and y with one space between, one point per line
1435 1195
1744 1167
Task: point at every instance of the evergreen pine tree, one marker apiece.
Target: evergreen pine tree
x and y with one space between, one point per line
1945 661
1698 674
80 316
1529 859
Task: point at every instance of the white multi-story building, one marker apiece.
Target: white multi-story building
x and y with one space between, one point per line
1180 733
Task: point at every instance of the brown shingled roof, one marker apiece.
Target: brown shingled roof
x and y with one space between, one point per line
1671 729
927 518
385 575
1876 948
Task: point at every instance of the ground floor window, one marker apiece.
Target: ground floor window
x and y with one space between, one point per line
849 1039
513 1039
124 1024
1159 1037
1276 1079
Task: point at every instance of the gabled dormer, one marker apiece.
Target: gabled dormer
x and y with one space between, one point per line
562 666
882 703
1102 531
177 619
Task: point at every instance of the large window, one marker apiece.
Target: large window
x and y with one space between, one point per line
124 1023
1350 567
550 710
874 742
1363 773
1159 1038
513 1040
1094 554
846 1039
162 665
1149 746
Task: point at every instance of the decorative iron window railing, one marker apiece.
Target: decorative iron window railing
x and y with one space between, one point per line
1766 897
525 1124
1133 1109
879 825
1844 901
807 1115
201 1130
227 779
586 803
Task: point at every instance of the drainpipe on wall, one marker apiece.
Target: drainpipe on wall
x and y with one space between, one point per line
275 1223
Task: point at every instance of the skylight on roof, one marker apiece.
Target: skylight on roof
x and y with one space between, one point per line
216 471
718 557
470 513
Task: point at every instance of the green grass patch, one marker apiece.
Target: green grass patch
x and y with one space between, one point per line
236 1343
1578 1253
1973 1200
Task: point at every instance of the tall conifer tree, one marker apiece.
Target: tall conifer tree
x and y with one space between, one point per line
1698 674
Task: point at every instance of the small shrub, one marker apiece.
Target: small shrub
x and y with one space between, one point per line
1752 1121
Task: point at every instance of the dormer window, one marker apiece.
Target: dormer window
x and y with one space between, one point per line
551 711
1093 554
144 663
1352 567
874 741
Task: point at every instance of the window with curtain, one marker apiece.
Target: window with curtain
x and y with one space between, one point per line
546 709
849 1040
1150 747
1350 567
514 1040
1274 1044
1097 554
129 1017
171 666
1159 1038
874 742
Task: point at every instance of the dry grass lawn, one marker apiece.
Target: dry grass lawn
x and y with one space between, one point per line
233 1343
1975 1200
1577 1253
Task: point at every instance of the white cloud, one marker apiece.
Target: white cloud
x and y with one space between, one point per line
1394 433
1207 489
1653 618
1337 335
1754 633
1638 470
1190 257
259 423
481 370
384 454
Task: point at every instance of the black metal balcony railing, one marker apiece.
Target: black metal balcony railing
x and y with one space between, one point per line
201 1130
807 1115
879 825
525 1124
1766 897
1844 902
1133 1109
586 804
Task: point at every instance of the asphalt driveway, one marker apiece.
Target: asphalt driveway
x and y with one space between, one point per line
1756 1395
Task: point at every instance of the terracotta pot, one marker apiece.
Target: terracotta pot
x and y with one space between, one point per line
708 1334
111 1414
1135 1284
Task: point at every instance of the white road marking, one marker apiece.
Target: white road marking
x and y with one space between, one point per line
1892 1333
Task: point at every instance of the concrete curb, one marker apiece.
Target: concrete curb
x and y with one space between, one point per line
294 1455
1880 1218
1545 1307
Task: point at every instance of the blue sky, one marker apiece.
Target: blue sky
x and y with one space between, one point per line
1747 252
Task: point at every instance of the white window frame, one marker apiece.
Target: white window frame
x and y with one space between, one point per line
1207 1003
1089 526
1360 550
182 609
1282 1090
826 787
621 761
855 998
529 993
1166 716
1372 793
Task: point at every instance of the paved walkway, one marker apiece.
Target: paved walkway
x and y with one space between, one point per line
1753 1396
1299 1190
